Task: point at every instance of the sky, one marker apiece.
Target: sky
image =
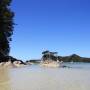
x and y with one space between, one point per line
56 25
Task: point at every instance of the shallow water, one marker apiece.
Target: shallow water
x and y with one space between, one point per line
76 77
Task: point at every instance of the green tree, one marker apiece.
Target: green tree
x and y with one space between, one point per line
6 26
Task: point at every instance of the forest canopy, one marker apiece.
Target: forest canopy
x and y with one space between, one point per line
6 26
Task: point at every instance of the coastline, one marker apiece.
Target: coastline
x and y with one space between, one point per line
42 78
4 79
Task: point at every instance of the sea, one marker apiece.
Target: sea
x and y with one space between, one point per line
72 76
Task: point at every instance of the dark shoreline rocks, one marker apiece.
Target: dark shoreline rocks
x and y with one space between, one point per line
9 61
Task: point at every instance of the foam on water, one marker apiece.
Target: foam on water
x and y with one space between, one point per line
40 78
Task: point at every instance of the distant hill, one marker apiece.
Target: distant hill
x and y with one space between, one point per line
74 58
47 55
71 58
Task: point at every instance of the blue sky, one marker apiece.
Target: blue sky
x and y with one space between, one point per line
55 25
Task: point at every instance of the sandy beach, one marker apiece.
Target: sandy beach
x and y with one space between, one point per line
4 79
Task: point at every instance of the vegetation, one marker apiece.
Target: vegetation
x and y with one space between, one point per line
47 55
34 61
72 58
6 26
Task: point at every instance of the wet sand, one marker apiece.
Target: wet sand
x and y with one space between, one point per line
4 79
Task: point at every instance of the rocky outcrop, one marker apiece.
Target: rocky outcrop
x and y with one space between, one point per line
47 55
9 61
